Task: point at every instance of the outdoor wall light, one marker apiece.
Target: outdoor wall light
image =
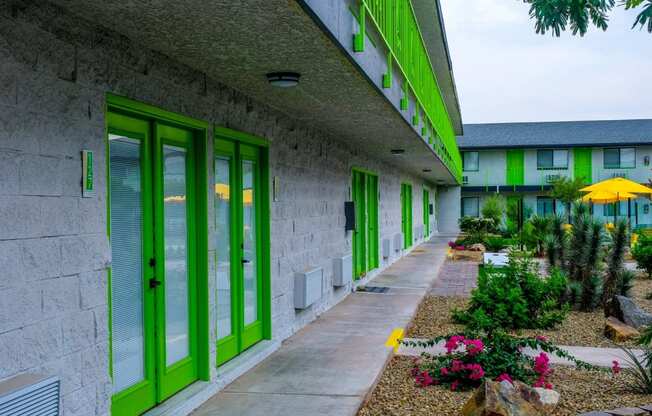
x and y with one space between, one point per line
397 151
283 79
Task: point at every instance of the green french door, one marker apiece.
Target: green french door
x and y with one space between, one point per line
365 235
239 247
426 213
153 294
406 214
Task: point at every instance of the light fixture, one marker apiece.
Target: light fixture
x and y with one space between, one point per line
283 79
397 151
426 170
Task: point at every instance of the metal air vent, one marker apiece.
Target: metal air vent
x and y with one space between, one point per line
30 395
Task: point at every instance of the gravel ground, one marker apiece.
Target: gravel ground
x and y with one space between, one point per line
397 395
579 328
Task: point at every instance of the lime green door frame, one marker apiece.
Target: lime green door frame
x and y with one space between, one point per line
426 212
152 129
583 164
249 239
406 214
515 167
365 236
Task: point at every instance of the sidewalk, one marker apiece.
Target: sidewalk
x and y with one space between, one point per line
330 366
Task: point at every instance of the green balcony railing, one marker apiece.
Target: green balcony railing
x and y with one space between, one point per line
397 25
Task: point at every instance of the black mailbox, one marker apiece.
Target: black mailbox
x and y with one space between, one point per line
349 213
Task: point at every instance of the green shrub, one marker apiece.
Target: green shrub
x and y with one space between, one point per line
494 208
495 244
476 225
515 297
642 253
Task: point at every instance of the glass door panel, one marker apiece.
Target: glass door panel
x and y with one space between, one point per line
176 254
249 243
127 304
223 245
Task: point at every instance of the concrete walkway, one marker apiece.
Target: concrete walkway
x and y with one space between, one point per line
330 366
601 357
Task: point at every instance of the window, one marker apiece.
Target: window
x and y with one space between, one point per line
608 210
545 206
471 161
618 158
552 159
471 206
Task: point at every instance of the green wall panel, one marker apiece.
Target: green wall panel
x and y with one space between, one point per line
515 172
582 164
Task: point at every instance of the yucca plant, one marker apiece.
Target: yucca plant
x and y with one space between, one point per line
614 265
540 229
640 368
557 242
625 282
589 269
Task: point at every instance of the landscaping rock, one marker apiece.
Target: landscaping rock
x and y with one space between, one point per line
628 411
548 398
628 312
507 399
618 331
478 247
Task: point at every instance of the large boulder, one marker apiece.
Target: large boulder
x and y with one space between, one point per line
503 398
628 312
618 331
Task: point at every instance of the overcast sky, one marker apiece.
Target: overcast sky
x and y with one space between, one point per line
506 72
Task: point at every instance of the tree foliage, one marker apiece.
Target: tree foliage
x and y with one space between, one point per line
557 16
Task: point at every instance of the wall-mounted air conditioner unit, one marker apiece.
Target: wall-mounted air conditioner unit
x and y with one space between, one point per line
342 270
308 287
30 394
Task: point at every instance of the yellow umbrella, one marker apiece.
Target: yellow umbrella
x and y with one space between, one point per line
605 197
618 185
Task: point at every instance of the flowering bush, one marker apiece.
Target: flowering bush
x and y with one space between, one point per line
470 358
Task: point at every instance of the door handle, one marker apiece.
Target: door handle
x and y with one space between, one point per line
245 261
153 283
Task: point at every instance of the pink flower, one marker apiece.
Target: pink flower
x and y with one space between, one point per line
454 385
615 368
424 379
541 382
549 386
443 371
504 377
456 366
453 342
476 371
541 338
473 346
541 364
451 244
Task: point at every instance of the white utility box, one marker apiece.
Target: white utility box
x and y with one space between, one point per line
342 270
308 287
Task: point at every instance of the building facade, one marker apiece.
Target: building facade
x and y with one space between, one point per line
169 213
522 160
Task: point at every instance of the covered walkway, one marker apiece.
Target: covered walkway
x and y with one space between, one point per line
330 366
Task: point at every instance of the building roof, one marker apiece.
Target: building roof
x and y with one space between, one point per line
556 134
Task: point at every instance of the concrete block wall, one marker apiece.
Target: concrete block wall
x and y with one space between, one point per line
55 71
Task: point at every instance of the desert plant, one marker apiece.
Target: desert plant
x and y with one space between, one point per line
557 242
640 368
614 264
494 208
495 244
471 357
642 253
567 191
515 297
625 282
540 229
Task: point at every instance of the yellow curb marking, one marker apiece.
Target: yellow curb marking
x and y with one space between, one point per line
394 339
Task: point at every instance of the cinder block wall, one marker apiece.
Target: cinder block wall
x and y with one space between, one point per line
55 70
